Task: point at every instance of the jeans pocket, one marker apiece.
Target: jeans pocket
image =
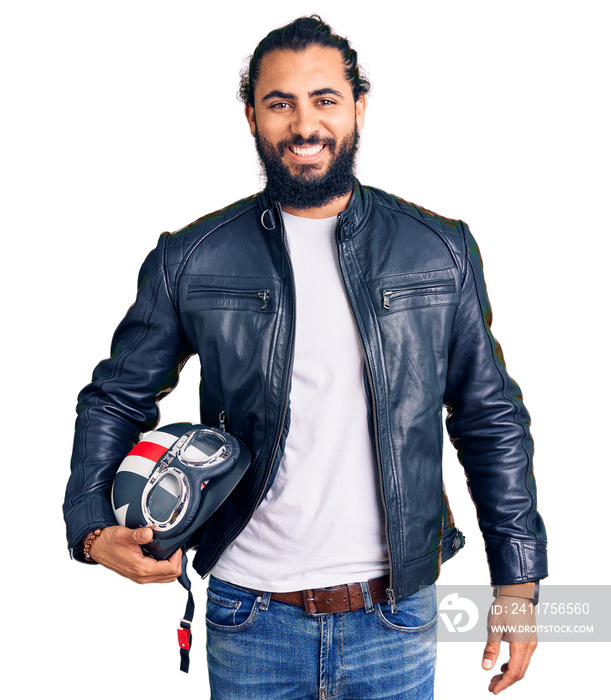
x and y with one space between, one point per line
230 609
414 615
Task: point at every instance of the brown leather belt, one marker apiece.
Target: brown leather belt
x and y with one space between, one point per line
337 599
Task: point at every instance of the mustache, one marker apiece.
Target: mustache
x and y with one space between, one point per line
312 140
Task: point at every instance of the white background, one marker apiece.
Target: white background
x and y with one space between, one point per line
120 121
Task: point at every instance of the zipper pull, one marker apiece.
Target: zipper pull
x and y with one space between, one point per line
392 601
264 296
222 418
386 294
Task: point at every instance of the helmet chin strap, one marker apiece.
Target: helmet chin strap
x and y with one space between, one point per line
184 631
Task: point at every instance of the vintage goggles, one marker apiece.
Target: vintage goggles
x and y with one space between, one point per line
174 479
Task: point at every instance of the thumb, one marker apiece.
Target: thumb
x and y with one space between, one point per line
142 535
491 653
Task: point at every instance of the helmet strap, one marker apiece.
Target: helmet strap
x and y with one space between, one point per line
184 631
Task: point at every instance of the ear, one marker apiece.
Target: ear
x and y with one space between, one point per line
360 109
250 116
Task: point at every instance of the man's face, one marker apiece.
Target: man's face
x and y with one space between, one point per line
306 122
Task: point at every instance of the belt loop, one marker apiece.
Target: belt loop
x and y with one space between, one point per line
366 596
264 600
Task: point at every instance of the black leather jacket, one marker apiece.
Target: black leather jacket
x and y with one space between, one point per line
222 289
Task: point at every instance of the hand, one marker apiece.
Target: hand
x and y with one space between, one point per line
510 619
118 548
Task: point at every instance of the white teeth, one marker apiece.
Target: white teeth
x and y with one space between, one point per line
307 151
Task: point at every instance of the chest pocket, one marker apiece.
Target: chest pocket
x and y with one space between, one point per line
416 290
231 294
225 298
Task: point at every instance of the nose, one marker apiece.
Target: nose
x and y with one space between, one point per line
305 121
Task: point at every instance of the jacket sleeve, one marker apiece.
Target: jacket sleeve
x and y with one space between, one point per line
121 402
489 426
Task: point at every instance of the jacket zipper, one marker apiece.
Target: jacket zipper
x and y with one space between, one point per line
288 372
390 593
199 292
415 290
289 366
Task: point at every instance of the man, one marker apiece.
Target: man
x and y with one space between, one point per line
332 322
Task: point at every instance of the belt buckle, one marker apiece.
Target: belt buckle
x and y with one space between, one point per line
309 604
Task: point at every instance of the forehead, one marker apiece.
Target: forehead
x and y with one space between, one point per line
300 72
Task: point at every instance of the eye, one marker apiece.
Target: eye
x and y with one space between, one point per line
326 102
280 106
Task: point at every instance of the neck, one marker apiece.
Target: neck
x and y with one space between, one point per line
333 208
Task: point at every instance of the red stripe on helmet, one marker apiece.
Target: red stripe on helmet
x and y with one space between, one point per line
149 450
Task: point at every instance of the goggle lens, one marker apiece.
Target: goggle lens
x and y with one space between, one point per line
204 448
164 498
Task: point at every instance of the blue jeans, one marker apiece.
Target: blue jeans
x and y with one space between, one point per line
261 649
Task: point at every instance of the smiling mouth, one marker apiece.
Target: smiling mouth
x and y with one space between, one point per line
306 152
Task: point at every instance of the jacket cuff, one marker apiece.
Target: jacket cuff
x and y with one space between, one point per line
84 517
513 560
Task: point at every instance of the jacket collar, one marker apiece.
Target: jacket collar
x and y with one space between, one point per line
351 219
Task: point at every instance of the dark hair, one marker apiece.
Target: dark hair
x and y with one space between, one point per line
298 36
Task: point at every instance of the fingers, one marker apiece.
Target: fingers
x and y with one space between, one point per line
514 670
143 535
119 549
176 563
491 654
146 569
143 570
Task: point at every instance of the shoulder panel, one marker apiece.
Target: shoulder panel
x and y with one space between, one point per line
450 230
178 245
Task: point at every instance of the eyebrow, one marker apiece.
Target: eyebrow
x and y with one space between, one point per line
289 96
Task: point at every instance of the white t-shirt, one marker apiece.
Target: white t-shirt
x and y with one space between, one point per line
321 523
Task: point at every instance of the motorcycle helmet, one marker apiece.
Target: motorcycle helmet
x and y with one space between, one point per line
174 479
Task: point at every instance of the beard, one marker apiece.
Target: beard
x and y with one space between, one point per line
307 187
